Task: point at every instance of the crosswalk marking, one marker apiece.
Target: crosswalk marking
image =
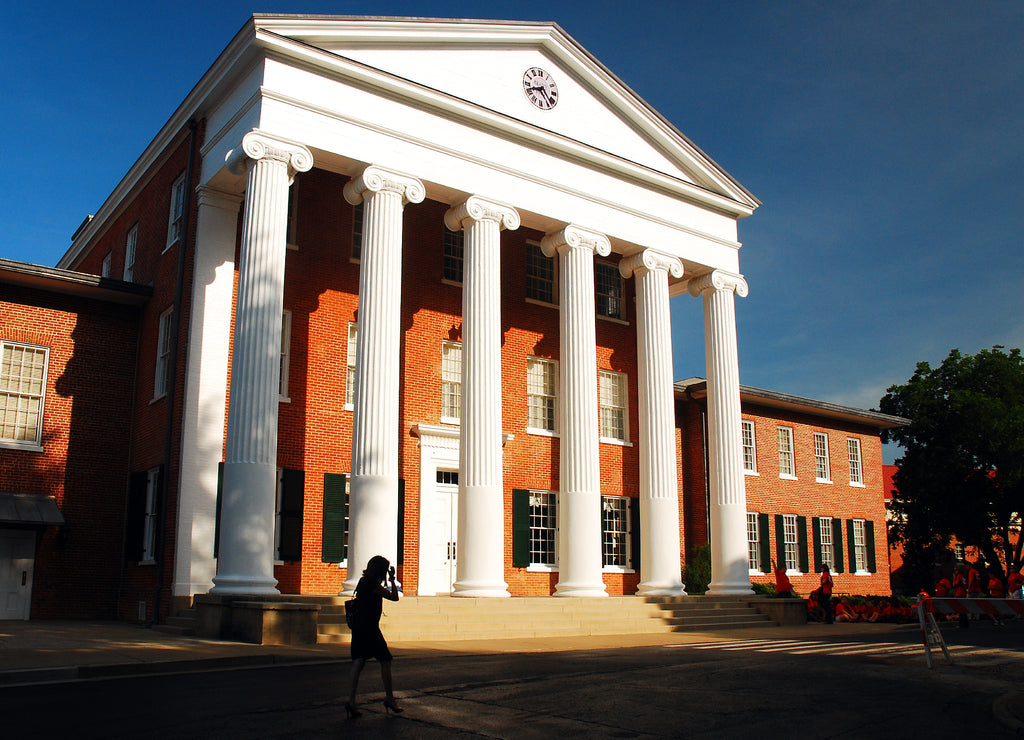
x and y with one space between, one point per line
976 655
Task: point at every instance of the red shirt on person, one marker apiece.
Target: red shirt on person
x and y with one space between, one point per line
959 586
974 582
942 587
782 585
995 588
826 582
1015 581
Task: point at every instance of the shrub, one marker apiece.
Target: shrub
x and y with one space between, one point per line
697 573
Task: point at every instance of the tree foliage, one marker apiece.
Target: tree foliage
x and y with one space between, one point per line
962 470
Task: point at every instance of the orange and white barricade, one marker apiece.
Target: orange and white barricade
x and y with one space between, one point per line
927 607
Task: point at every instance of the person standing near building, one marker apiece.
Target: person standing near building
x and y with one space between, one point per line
960 592
783 587
974 582
1015 583
826 593
367 639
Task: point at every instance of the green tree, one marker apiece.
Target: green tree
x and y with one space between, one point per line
962 470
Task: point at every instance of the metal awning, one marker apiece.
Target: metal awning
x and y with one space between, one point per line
29 508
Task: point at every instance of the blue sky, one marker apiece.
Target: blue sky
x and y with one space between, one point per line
885 139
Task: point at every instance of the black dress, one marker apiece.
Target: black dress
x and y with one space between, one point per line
367 640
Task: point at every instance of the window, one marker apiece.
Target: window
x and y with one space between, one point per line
615 529
451 381
149 526
608 290
350 371
286 343
613 405
853 451
543 528
749 451
22 393
454 249
163 354
786 466
176 220
821 467
540 275
959 553
129 252
357 231
105 267
753 542
541 393
791 542
860 550
828 553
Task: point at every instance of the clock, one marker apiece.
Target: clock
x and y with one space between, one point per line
540 88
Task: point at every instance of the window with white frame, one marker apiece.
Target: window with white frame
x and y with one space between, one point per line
543 527
613 405
821 467
176 219
540 275
608 290
828 553
753 542
749 449
350 366
286 343
454 249
149 522
860 548
787 469
959 553
791 542
615 541
853 452
130 242
161 381
22 393
541 394
451 381
357 231
105 267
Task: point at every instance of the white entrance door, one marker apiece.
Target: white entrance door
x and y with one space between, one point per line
17 559
441 548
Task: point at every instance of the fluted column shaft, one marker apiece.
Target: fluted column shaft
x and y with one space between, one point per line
481 527
729 569
659 493
246 558
579 507
373 488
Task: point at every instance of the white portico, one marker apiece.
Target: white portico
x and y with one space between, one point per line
461 114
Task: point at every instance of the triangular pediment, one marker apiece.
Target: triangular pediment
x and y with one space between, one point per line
482 64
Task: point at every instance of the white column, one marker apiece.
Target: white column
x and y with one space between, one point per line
481 528
659 492
206 379
373 489
729 569
579 506
246 558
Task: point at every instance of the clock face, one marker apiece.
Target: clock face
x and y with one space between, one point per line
540 88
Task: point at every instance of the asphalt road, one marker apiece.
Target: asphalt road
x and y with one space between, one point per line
856 686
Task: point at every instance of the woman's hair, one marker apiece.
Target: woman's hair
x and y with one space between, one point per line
377 568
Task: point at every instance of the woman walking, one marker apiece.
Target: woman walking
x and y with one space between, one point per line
367 640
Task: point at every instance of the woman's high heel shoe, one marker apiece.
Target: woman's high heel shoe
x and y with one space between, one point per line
390 706
351 712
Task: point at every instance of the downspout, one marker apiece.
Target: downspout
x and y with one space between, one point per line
172 363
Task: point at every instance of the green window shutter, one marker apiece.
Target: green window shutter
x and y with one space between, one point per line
216 525
520 528
334 540
293 490
766 543
780 543
400 557
634 533
850 547
816 527
136 516
869 542
801 539
837 543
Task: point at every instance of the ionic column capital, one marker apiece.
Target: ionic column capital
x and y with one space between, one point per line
475 208
651 259
718 280
573 236
258 145
376 179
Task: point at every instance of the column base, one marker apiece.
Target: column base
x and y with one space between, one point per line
481 590
651 589
243 585
581 590
730 589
